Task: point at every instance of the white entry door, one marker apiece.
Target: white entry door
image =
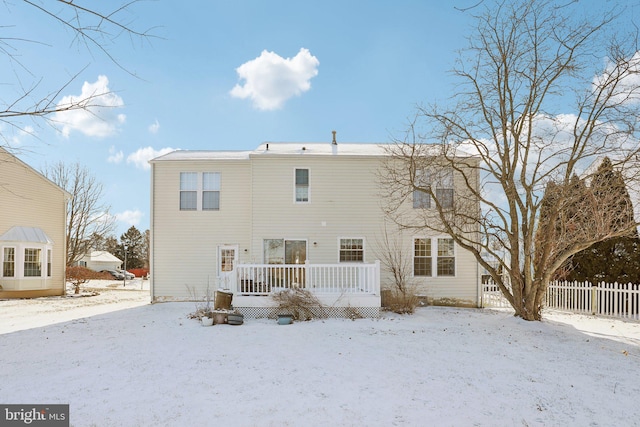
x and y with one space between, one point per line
227 260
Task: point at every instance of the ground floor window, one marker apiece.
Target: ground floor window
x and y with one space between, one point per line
422 257
48 262
9 262
32 262
227 257
426 251
283 251
446 258
351 250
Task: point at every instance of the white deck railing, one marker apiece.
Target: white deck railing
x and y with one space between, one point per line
352 278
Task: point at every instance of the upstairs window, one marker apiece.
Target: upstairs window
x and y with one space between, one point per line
421 199
211 191
9 262
351 250
443 182
444 188
302 185
188 191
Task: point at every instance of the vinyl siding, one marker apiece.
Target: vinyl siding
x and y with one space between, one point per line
462 289
343 203
28 199
185 243
257 202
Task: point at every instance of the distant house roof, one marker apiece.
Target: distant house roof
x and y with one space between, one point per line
202 155
26 234
103 256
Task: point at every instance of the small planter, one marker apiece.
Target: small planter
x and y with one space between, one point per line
207 321
285 319
223 300
219 317
235 319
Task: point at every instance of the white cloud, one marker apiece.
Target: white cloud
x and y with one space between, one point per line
626 75
141 157
99 117
130 217
21 134
15 136
154 127
270 80
115 156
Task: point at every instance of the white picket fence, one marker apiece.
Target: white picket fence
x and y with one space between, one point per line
492 296
609 299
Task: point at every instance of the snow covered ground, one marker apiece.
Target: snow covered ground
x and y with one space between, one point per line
120 361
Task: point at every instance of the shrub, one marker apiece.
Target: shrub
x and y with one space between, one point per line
399 302
203 304
300 303
79 275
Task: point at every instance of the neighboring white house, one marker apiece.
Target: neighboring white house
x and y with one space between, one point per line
288 215
32 231
100 260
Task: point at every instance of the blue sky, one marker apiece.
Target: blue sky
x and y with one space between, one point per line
229 75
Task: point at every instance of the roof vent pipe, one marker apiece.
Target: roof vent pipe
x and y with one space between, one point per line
334 137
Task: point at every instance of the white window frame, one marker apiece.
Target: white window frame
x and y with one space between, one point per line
439 257
295 186
444 182
14 261
186 187
215 184
284 242
421 199
37 262
197 188
361 251
429 255
49 262
435 257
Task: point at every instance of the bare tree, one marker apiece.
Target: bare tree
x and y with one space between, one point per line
401 298
94 26
542 94
86 215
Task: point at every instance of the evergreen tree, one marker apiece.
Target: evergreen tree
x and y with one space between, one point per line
134 242
616 259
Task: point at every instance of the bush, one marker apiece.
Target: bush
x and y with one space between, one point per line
399 302
79 275
300 303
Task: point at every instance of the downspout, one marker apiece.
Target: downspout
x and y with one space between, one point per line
152 216
67 197
478 275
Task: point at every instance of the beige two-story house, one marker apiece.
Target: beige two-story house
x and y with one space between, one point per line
32 231
289 215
